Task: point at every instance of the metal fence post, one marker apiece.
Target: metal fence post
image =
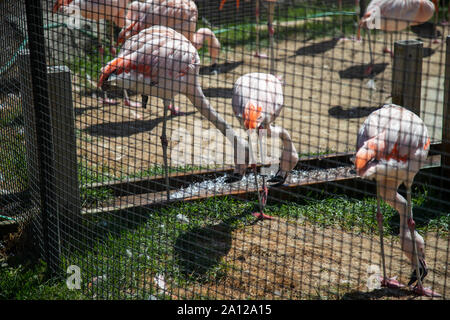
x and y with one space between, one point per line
41 112
445 160
407 74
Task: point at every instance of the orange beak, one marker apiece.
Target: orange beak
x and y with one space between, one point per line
251 115
121 38
116 66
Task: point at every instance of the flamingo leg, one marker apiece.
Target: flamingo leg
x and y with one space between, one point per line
385 281
369 70
105 99
258 54
270 15
418 288
411 225
130 103
262 195
165 143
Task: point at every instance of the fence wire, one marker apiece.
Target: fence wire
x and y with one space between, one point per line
195 149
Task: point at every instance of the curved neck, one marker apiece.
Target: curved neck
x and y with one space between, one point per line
199 100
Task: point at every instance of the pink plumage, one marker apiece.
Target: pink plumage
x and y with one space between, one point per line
392 146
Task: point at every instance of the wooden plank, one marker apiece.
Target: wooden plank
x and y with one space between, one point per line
407 74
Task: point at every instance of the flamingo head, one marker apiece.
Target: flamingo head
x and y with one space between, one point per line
251 115
60 3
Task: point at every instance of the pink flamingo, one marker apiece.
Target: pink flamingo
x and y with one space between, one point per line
111 10
180 15
257 101
394 15
163 63
392 145
271 30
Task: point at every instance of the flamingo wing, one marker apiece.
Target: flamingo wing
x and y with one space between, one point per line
391 133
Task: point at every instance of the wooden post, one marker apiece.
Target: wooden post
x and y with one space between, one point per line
67 193
63 199
445 158
407 74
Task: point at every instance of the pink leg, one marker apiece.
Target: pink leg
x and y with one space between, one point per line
263 198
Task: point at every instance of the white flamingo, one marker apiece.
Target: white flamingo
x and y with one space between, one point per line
392 146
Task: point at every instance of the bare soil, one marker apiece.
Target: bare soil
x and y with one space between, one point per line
285 260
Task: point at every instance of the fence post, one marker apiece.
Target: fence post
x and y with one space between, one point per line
445 160
42 128
407 74
67 193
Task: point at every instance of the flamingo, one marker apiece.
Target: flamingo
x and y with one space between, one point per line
163 63
257 101
394 15
180 15
111 10
271 30
392 145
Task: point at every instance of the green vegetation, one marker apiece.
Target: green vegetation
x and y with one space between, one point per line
32 283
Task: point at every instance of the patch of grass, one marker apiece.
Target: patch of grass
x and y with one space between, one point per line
32 283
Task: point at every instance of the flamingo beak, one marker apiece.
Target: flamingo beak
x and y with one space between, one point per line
423 272
251 115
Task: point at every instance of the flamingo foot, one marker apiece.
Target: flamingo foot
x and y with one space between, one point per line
262 216
391 283
175 111
133 104
110 102
260 55
422 291
368 71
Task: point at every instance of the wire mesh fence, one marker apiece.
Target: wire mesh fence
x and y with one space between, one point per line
230 150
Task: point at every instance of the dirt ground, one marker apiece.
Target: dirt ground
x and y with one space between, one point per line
326 99
285 260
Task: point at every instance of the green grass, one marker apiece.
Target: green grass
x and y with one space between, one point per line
32 283
185 244
189 253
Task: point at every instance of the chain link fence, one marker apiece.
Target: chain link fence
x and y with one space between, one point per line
229 157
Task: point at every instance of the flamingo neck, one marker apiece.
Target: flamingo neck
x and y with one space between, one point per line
201 103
